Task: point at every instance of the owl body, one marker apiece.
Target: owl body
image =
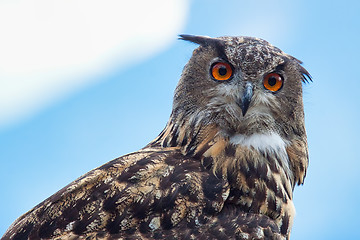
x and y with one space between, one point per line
224 167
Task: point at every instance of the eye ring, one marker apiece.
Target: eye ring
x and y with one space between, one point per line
221 71
273 82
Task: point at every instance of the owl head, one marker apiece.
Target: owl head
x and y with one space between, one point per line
238 92
244 85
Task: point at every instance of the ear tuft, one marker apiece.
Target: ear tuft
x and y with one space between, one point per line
201 40
217 43
306 77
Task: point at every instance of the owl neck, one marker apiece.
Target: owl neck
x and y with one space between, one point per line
220 151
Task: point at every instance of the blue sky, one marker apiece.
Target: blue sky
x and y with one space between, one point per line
119 108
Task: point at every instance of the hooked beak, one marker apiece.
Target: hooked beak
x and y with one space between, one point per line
246 99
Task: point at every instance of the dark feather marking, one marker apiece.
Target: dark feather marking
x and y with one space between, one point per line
203 219
285 224
193 125
190 148
235 194
264 222
272 207
217 233
167 140
47 229
232 176
260 196
279 193
250 181
184 141
280 163
209 208
191 223
162 133
100 235
250 176
268 233
141 209
200 152
88 217
184 190
165 182
166 202
80 227
158 235
192 166
207 162
230 150
261 171
252 223
130 231
157 205
212 187
68 215
125 176
177 175
80 203
272 185
24 233
166 221
272 164
301 167
259 200
245 170
113 226
98 192
144 227
144 161
229 228
272 203
279 68
109 204
186 234
129 174
179 172
175 135
174 159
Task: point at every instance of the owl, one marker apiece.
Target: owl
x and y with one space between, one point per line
224 167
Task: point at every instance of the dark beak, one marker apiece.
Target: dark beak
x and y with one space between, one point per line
246 99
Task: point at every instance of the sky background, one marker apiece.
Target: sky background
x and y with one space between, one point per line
83 82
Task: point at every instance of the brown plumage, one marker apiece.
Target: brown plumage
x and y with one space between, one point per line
224 167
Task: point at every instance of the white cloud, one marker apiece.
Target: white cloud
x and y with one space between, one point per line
50 48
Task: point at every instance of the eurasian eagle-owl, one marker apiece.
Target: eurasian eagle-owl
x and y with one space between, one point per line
224 167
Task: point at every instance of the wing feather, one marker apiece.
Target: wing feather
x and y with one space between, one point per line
146 194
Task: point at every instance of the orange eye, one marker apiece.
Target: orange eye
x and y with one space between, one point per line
221 71
273 82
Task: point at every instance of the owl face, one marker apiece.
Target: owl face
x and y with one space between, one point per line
244 85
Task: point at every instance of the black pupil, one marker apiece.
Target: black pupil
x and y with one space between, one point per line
222 71
272 81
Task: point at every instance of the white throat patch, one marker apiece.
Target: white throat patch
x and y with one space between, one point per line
261 142
266 143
